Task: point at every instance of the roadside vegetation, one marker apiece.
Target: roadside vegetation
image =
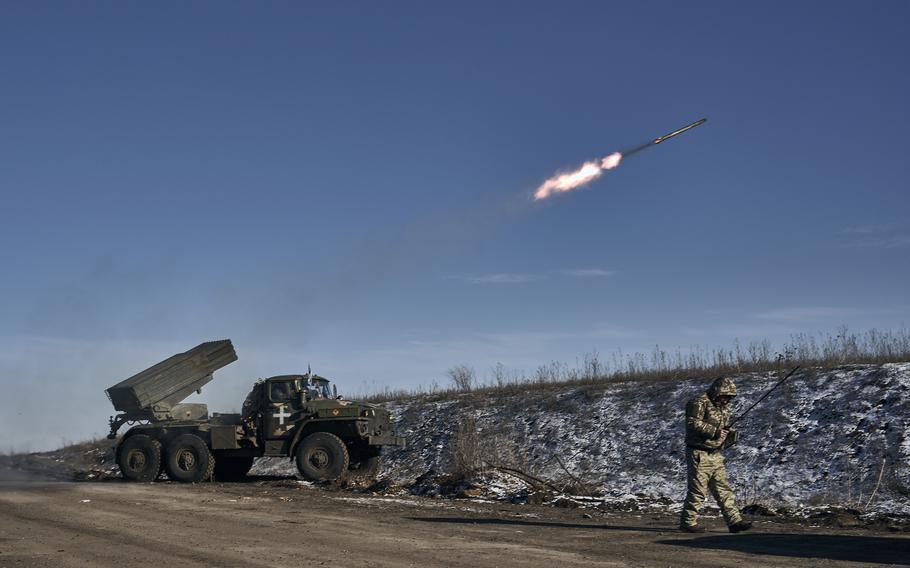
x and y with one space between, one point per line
808 350
72 461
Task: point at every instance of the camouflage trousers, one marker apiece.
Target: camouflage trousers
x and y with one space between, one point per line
705 472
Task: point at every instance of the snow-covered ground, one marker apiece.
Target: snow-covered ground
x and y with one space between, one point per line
821 438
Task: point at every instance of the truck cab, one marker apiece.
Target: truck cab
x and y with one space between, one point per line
303 416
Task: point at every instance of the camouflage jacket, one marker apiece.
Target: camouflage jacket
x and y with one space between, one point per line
251 403
703 421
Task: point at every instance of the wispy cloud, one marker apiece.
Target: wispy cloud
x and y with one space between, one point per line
519 349
743 330
526 277
543 338
882 236
881 242
588 272
504 278
808 313
870 229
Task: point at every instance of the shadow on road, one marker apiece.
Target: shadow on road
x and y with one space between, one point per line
516 522
880 550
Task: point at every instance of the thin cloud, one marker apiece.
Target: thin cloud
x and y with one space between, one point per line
504 278
807 313
870 229
881 242
588 273
517 349
882 236
525 277
739 330
543 338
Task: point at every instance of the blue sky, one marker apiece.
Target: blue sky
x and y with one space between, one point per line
347 185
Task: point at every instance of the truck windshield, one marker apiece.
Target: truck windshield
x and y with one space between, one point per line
318 389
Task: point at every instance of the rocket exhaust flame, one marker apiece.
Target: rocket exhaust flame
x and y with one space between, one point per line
587 172
592 170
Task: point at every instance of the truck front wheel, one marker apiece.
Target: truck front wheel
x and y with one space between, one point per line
189 459
139 458
322 457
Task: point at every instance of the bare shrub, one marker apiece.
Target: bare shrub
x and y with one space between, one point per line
498 372
476 454
591 367
466 458
554 372
462 377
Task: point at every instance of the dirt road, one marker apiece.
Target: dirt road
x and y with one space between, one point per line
284 523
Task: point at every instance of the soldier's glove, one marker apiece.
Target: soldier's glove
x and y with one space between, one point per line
732 438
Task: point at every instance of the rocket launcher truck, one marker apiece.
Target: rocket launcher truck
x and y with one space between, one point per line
293 416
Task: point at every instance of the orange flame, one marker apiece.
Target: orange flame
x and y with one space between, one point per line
586 173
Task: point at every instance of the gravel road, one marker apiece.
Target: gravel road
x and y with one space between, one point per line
276 523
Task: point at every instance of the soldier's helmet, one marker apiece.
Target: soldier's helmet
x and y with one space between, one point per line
722 387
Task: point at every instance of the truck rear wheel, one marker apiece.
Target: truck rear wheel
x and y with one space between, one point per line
189 459
322 457
230 468
139 458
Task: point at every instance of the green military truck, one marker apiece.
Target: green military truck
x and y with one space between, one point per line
294 416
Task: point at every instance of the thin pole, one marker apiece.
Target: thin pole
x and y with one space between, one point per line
754 404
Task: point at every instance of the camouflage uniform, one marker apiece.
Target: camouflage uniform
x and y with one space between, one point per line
704 461
249 413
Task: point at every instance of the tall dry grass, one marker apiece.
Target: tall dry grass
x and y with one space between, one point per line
808 350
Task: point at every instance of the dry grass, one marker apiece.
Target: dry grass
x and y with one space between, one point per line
819 350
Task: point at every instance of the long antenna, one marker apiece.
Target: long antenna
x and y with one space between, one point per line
754 404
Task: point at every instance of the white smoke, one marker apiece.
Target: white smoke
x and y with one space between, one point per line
588 172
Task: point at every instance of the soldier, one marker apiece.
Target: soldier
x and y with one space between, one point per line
249 413
707 431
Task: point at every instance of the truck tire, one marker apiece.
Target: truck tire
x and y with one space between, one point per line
231 468
322 457
139 458
189 459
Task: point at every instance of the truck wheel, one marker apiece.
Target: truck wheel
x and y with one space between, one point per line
189 459
139 458
322 457
232 468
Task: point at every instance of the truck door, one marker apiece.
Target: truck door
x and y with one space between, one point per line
282 409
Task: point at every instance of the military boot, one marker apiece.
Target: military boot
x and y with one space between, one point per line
691 528
740 527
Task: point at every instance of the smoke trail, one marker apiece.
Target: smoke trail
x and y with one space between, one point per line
588 172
